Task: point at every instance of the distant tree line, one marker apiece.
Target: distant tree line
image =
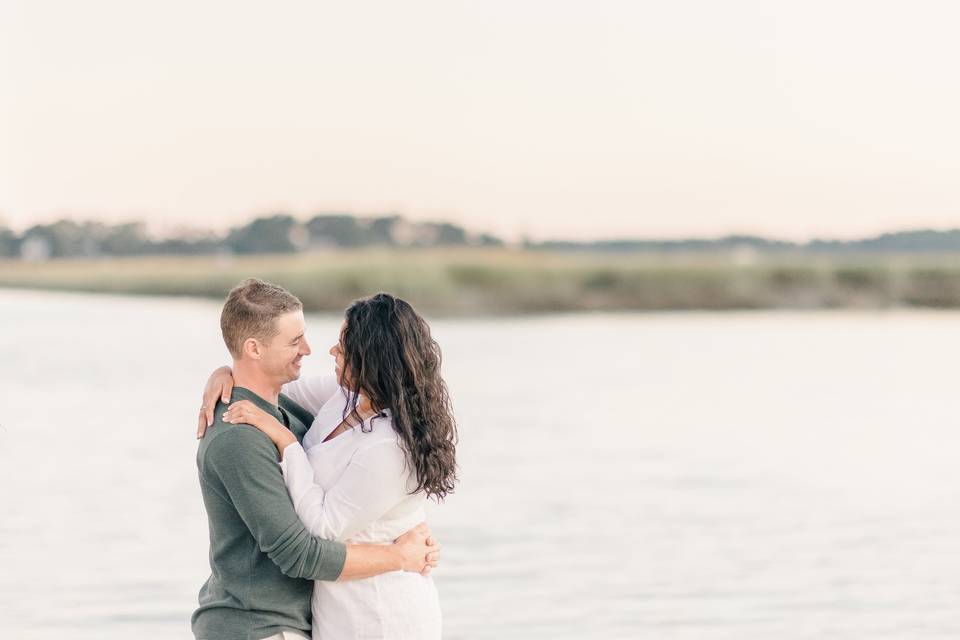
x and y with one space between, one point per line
282 233
279 233
919 241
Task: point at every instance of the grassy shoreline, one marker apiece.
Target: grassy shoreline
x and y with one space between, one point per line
503 281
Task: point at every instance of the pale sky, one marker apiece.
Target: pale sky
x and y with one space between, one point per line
555 119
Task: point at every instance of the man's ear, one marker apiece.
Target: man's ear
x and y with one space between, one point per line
252 349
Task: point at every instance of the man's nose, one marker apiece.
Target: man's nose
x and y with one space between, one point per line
305 347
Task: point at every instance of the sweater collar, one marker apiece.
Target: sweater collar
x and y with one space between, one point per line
245 394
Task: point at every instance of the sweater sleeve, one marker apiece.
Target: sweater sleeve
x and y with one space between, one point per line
312 392
374 482
245 463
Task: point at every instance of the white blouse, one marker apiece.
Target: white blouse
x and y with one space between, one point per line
356 488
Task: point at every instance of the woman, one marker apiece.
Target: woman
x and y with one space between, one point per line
382 442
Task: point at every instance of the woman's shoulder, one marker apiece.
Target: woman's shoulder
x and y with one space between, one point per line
381 449
378 430
378 436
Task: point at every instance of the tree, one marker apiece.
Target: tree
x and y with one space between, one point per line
264 235
449 234
125 240
9 243
380 230
337 229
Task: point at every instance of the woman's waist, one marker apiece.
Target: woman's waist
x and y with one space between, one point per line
390 579
386 530
394 590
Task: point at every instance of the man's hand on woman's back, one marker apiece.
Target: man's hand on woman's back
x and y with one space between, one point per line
415 551
419 551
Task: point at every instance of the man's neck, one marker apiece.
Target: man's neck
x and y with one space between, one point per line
250 378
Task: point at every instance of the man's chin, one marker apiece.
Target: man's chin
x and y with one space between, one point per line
291 374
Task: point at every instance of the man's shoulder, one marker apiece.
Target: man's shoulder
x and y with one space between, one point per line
233 443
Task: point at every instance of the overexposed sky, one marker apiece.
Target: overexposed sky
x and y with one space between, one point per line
555 118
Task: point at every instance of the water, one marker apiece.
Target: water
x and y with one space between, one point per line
689 476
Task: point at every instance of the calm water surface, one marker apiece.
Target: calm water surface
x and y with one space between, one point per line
690 476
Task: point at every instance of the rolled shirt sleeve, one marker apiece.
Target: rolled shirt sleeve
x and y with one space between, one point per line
244 461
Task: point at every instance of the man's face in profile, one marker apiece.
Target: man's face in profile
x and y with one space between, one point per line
280 358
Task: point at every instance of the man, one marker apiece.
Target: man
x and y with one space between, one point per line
262 559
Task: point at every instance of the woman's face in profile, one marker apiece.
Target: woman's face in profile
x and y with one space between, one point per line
337 352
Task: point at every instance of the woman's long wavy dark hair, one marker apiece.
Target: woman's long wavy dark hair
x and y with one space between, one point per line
390 355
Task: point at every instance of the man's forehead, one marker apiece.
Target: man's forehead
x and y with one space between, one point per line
291 323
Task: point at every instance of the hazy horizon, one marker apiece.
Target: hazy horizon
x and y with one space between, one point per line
551 120
159 230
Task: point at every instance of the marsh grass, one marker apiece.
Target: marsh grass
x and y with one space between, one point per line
500 281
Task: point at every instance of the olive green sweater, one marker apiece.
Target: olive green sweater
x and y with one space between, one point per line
262 559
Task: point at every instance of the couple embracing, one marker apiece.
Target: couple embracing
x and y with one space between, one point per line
315 488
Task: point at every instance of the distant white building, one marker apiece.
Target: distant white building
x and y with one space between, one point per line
406 233
35 249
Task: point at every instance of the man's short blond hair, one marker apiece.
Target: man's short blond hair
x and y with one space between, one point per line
251 311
